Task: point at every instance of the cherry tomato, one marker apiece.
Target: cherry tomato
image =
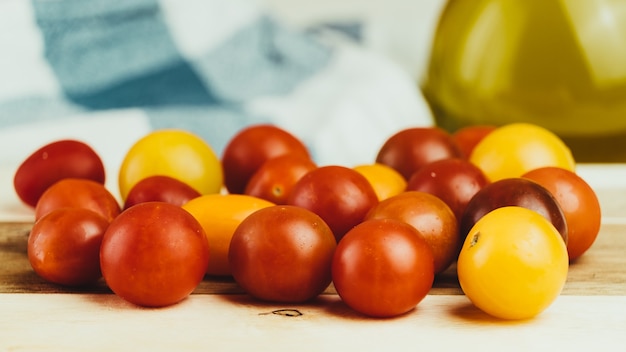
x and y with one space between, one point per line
513 263
431 217
382 268
385 180
274 180
175 153
411 148
53 162
339 195
154 254
160 188
514 149
64 246
468 137
219 215
78 193
283 254
514 191
455 181
251 147
579 203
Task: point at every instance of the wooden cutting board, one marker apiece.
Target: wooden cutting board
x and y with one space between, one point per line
601 271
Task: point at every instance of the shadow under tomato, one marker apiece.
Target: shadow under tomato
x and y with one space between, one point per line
340 309
470 313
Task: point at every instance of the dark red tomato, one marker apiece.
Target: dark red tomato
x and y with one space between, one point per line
341 196
282 254
154 254
160 188
383 268
78 193
515 191
579 203
275 179
64 246
411 148
53 162
455 181
467 137
431 217
250 148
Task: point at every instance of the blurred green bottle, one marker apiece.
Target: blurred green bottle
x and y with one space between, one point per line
560 64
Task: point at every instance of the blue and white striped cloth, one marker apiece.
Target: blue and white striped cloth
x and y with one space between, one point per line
107 71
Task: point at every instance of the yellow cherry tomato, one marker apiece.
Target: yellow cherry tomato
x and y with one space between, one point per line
514 149
220 215
385 180
176 153
513 263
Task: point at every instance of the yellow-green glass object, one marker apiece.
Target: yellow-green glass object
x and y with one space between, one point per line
560 64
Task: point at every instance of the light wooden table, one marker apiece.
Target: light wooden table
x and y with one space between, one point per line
590 313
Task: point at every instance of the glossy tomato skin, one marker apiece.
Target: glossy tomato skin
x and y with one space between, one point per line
64 246
220 215
341 196
55 161
513 264
160 188
78 193
154 254
385 180
430 216
515 191
411 148
177 153
454 180
274 180
516 148
383 268
282 254
468 137
579 202
251 147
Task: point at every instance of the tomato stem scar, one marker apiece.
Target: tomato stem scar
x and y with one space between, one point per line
475 238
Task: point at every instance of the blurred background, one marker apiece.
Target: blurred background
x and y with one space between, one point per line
399 29
556 63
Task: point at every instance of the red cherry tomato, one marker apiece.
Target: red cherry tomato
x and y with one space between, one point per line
411 148
341 196
53 162
514 191
64 246
455 181
383 268
154 254
468 137
579 202
275 179
78 193
160 188
431 217
283 254
250 148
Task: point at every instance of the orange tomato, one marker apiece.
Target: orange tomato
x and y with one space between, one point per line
220 215
385 180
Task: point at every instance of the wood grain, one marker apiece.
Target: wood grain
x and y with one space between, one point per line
601 271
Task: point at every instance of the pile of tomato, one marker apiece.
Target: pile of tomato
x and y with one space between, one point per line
502 206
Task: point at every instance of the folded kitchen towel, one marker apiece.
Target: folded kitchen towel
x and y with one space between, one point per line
107 71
